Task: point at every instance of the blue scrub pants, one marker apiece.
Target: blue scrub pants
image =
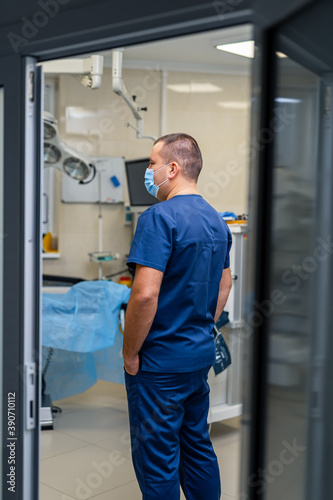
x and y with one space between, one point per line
169 435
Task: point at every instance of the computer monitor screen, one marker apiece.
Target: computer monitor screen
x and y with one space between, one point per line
135 173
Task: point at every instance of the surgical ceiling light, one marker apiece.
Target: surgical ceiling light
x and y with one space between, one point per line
59 155
76 168
51 153
49 131
245 49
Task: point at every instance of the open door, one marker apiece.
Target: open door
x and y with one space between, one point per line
20 157
287 422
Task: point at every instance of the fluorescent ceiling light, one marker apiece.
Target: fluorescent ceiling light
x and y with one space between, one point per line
245 49
239 105
287 100
280 54
77 112
194 87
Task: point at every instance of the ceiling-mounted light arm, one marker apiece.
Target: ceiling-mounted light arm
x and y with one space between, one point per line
138 130
119 88
91 69
118 85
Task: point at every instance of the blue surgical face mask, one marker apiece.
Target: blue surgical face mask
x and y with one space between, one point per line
149 180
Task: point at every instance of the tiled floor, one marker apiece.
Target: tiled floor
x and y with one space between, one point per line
87 454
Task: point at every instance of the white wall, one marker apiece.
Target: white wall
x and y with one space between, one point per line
95 123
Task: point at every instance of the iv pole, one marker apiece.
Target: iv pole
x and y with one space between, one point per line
100 225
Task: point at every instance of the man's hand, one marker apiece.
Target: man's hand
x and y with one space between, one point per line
225 287
141 310
131 365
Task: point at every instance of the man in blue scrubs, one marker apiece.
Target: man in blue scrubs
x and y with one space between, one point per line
182 280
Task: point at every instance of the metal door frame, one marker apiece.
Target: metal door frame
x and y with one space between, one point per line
21 321
21 282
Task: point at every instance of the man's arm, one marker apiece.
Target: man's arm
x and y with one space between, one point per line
141 310
225 287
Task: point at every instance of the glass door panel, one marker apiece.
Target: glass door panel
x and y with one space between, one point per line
293 266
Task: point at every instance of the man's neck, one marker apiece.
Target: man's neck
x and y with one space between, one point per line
191 189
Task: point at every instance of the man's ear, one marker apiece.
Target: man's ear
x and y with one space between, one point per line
174 169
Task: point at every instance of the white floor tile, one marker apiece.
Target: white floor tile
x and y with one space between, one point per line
222 443
229 463
130 491
121 443
54 443
237 445
102 394
225 432
46 493
92 424
87 472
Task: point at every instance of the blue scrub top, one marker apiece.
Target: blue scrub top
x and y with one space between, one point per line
188 241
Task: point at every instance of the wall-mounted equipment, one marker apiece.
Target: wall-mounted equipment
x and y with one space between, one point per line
111 175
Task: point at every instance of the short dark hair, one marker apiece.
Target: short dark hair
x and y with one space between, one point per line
183 149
